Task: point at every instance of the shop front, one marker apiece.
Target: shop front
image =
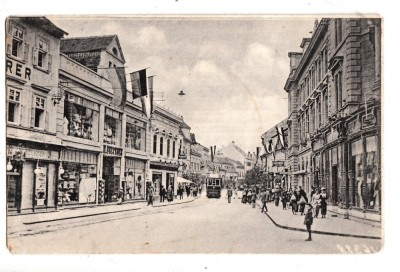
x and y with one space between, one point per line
164 174
133 185
78 178
111 177
31 177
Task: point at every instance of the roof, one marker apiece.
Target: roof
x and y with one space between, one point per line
45 24
269 134
86 44
184 125
89 44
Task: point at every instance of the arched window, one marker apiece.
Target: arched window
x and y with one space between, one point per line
161 145
154 144
168 150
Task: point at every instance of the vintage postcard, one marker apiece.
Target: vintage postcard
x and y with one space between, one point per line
193 134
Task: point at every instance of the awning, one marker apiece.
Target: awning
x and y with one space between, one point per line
182 180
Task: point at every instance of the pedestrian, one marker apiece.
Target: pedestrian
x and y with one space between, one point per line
180 192
187 190
308 220
120 195
277 194
316 202
264 198
200 187
229 194
244 196
284 199
323 202
150 193
234 192
293 203
253 197
162 193
170 193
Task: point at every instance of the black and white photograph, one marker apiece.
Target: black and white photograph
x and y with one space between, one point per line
233 134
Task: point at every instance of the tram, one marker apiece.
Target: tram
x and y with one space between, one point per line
214 186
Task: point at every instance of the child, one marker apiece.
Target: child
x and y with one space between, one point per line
308 220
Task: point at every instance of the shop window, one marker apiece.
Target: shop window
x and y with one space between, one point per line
80 118
41 56
135 136
16 45
77 184
112 128
39 112
358 199
372 175
155 144
14 106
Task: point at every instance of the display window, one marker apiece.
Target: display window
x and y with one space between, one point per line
112 127
77 184
81 118
135 134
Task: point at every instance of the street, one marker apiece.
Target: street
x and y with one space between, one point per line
202 226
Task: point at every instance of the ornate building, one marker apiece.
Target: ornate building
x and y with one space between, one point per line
334 120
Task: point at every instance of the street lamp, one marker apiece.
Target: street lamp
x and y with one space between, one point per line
9 166
37 170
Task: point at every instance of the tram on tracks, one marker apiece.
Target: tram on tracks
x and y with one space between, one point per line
214 185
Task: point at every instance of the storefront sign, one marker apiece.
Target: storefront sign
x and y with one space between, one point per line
182 157
30 153
18 70
111 150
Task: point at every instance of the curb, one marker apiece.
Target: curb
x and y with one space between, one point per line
78 216
176 203
321 232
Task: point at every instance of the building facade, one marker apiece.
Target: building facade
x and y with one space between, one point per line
33 148
335 112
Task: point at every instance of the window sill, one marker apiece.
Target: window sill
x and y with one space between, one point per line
22 61
41 69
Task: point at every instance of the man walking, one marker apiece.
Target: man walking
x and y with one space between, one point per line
264 198
229 194
162 193
308 220
150 195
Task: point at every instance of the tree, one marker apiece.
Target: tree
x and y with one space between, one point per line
195 177
254 176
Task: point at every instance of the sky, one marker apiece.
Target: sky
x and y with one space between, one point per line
232 69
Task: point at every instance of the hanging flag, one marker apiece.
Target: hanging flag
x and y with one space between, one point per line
265 147
212 149
151 93
281 136
116 75
193 138
139 85
144 109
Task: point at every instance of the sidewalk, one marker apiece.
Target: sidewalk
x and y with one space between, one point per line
331 225
16 221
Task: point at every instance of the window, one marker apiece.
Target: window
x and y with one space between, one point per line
173 149
16 45
41 56
338 89
326 105
39 112
135 134
81 118
161 145
14 106
338 31
112 127
155 144
168 147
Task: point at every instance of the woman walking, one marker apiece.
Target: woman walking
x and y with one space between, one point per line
316 202
323 202
293 203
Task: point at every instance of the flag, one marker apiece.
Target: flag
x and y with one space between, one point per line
144 109
151 93
281 136
139 84
193 138
116 75
265 147
212 152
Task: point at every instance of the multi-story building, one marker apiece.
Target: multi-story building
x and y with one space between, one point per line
275 163
104 137
234 152
335 111
33 148
166 144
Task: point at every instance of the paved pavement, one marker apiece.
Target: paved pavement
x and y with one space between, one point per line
281 218
330 225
